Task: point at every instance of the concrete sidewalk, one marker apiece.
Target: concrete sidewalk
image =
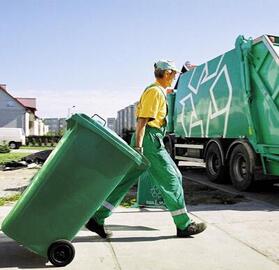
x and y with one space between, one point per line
15 181
242 236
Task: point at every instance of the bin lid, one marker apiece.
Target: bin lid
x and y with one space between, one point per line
107 134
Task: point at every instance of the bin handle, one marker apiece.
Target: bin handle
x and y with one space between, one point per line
100 118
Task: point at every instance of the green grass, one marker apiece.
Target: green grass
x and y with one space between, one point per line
6 157
11 198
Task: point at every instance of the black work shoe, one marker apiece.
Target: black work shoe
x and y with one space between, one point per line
93 226
193 228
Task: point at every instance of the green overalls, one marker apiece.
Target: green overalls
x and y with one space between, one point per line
163 172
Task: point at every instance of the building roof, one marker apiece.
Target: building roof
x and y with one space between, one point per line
4 89
29 103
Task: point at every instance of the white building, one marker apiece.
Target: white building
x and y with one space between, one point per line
111 123
19 113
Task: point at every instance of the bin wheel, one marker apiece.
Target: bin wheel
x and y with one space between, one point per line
61 252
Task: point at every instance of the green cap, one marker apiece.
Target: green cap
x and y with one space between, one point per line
166 65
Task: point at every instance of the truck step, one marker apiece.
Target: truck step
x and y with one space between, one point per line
189 159
192 146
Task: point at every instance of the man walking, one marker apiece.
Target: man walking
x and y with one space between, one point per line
148 139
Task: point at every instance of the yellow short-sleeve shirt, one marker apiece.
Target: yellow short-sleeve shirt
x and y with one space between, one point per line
153 105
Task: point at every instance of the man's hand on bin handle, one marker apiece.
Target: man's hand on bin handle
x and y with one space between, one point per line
139 149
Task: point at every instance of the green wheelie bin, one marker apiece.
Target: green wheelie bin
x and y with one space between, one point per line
87 164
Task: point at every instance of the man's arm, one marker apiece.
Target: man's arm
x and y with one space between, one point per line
140 130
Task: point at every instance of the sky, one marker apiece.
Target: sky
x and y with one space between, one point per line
97 56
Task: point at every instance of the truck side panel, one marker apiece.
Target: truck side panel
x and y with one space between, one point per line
210 101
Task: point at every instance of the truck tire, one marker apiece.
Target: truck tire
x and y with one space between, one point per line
215 170
242 163
169 146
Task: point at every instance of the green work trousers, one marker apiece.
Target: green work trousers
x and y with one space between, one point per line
163 172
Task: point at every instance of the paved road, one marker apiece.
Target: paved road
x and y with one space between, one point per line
12 182
265 193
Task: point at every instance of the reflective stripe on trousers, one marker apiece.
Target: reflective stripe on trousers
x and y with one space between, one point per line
179 212
108 205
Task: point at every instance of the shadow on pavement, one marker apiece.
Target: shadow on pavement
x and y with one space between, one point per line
88 238
126 228
19 189
14 255
140 239
130 228
81 239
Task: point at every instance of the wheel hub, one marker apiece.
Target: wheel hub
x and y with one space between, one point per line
61 253
214 163
240 168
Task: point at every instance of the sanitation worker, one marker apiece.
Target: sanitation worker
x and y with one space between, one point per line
148 139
